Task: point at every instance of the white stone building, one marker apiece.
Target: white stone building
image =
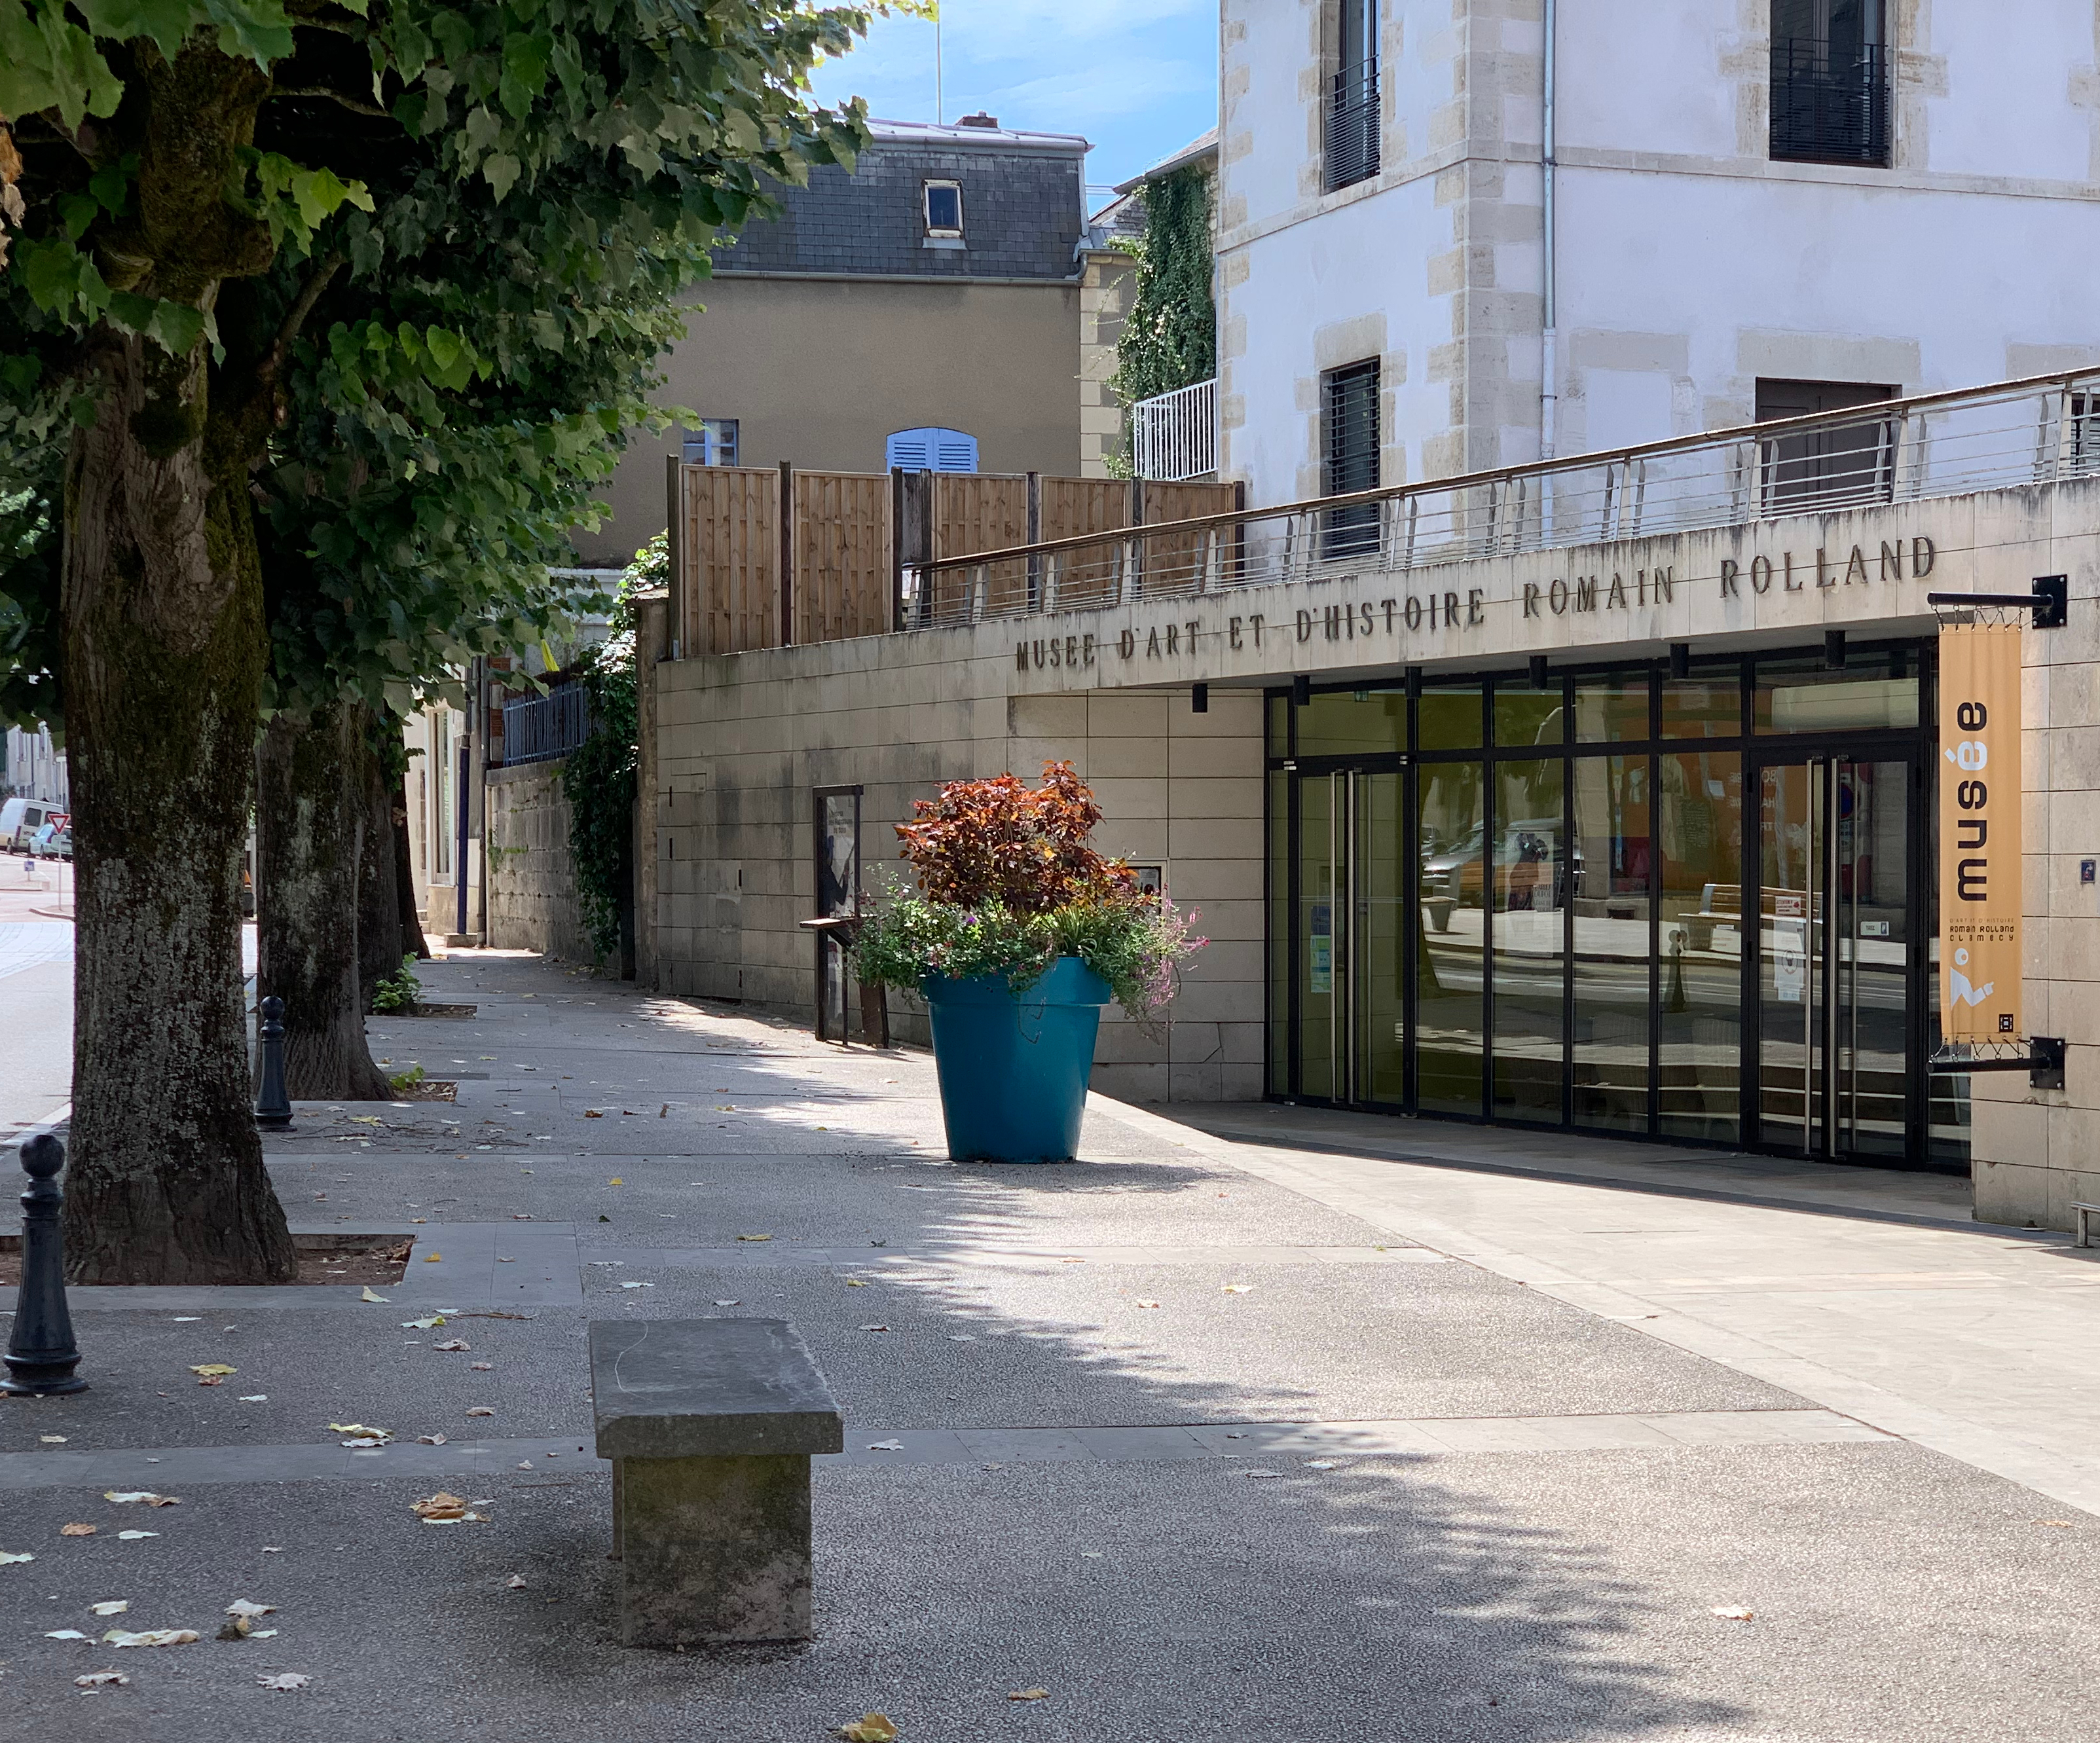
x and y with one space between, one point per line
1755 204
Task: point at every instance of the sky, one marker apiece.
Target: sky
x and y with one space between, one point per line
1138 77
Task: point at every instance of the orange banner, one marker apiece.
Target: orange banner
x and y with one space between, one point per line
1979 833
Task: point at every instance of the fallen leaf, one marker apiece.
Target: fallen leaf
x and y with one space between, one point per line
1261 1473
593 1114
441 1505
52 1439
430 1440
615 1181
1148 1304
729 1304
1731 1613
7 1556
483 1367
432 1258
1323 1464
65 1634
255 1397
479 1410
2062 1524
428 1323
263 1634
885 1447
250 1609
1030 1694
273 1549
456 1344
368 1296
211 1370
1239 1289
856 1282
121 1496
76 1531
285 1681
100 1678
637 1285
874 1728
516 1582
875 1328
754 1237
365 1119
362 1435
111 1607
132 1537
236 1628
152 1637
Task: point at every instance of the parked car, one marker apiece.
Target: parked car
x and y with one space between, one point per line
54 840
20 819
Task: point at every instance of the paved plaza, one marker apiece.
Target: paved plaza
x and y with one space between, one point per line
1252 1422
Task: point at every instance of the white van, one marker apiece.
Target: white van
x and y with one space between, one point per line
19 820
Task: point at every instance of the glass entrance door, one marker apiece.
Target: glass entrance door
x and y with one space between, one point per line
1352 1021
1834 898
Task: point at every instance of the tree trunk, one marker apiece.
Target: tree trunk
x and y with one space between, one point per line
413 943
164 655
309 826
379 946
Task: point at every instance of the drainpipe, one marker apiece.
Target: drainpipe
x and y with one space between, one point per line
1549 392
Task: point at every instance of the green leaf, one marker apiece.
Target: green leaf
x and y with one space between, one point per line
76 213
177 327
502 170
525 61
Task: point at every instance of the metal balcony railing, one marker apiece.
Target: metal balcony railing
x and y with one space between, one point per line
1174 436
537 729
1827 106
2037 430
1353 126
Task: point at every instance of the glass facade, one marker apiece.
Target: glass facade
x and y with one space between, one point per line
1693 908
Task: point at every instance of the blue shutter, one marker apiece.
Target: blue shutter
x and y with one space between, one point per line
932 449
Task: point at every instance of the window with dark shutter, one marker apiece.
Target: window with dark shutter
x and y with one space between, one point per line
1349 404
1830 87
1837 466
1352 104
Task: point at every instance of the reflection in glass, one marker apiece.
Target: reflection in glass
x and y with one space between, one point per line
1377 914
1352 722
1703 706
1528 938
1450 816
1699 1072
1278 933
1789 858
1873 692
1524 717
1871 936
1614 849
1611 706
1316 940
1449 718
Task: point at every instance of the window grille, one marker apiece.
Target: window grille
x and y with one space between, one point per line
1830 85
1350 407
1352 108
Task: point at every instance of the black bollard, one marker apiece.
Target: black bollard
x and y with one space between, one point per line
42 1354
273 1107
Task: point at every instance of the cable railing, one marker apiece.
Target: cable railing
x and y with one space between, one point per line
2037 430
1174 435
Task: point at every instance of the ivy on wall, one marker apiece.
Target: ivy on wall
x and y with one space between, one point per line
1170 337
599 776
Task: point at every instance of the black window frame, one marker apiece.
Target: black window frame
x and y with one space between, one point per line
1352 435
1350 134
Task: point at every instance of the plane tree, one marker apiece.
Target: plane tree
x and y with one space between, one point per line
198 179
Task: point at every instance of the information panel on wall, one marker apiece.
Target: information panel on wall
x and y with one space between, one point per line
1980 833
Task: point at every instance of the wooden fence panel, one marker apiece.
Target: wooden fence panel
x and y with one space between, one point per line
842 544
978 511
730 593
1186 562
1071 508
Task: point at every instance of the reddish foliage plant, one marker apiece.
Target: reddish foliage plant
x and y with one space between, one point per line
999 841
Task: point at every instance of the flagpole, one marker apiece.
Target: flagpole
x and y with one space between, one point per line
940 102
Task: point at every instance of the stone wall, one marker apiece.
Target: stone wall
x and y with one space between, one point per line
532 886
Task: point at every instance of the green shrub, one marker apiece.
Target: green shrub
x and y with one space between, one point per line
399 991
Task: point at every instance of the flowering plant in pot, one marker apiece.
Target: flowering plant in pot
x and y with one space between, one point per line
1017 934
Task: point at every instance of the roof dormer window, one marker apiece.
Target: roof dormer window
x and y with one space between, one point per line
944 209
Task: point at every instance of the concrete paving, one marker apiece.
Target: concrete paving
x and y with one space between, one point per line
1241 1426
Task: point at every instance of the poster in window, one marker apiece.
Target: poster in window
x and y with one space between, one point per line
1980 869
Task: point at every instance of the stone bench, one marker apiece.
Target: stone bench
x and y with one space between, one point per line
709 1424
2081 1222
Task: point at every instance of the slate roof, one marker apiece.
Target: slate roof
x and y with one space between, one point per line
1023 208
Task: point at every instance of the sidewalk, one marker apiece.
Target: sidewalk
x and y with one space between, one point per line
1403 1481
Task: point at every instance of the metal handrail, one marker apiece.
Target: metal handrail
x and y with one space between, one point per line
1900 477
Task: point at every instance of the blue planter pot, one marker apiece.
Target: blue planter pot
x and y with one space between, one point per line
1014 1070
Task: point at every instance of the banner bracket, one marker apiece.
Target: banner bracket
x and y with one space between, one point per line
2044 1063
2049 600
